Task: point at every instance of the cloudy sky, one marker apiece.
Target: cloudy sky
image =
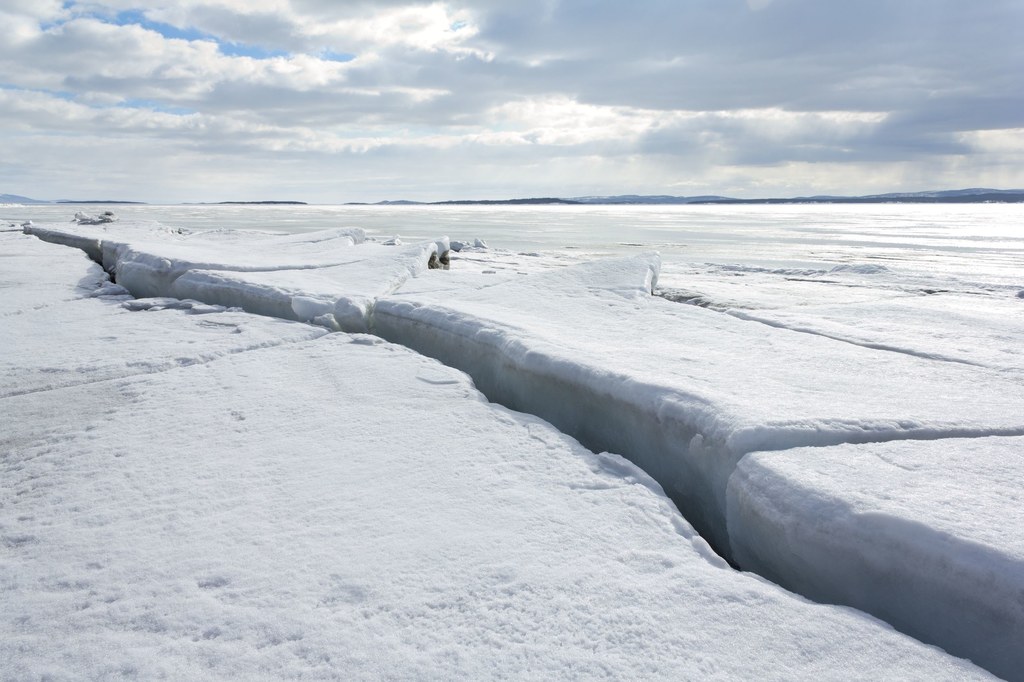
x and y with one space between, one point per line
330 101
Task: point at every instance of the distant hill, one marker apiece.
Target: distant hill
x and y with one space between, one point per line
16 199
648 199
262 203
93 201
976 195
468 202
487 202
952 196
958 196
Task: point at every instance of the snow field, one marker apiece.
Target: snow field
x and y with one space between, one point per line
334 506
689 393
73 341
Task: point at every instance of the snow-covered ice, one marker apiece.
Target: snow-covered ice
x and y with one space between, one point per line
685 391
781 358
78 339
309 277
926 534
34 275
967 328
934 315
336 506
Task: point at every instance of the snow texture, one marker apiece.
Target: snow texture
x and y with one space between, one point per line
927 535
333 506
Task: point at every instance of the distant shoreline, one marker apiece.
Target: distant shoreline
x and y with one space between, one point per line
960 196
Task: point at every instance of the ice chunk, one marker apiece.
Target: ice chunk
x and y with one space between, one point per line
927 535
102 218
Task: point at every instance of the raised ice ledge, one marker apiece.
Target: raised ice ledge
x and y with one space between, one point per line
321 277
928 535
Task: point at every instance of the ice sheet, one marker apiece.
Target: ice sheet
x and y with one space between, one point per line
724 287
980 329
686 392
927 535
341 507
34 275
683 390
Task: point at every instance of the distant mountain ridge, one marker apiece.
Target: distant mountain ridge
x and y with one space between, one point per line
973 195
952 196
17 199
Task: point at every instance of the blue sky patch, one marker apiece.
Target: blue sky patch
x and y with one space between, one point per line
153 105
59 94
332 56
243 50
136 17
130 103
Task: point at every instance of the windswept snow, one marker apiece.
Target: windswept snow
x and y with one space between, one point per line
336 506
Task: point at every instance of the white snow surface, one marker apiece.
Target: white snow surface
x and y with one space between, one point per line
928 535
779 359
78 339
32 277
971 329
333 506
683 390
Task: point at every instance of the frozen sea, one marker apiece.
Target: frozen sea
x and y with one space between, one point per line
833 397
976 242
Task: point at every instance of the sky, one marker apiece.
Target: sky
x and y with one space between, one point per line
329 102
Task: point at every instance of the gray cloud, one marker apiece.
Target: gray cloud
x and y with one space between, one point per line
536 97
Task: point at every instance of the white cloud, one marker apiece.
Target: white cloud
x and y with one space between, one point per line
481 94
